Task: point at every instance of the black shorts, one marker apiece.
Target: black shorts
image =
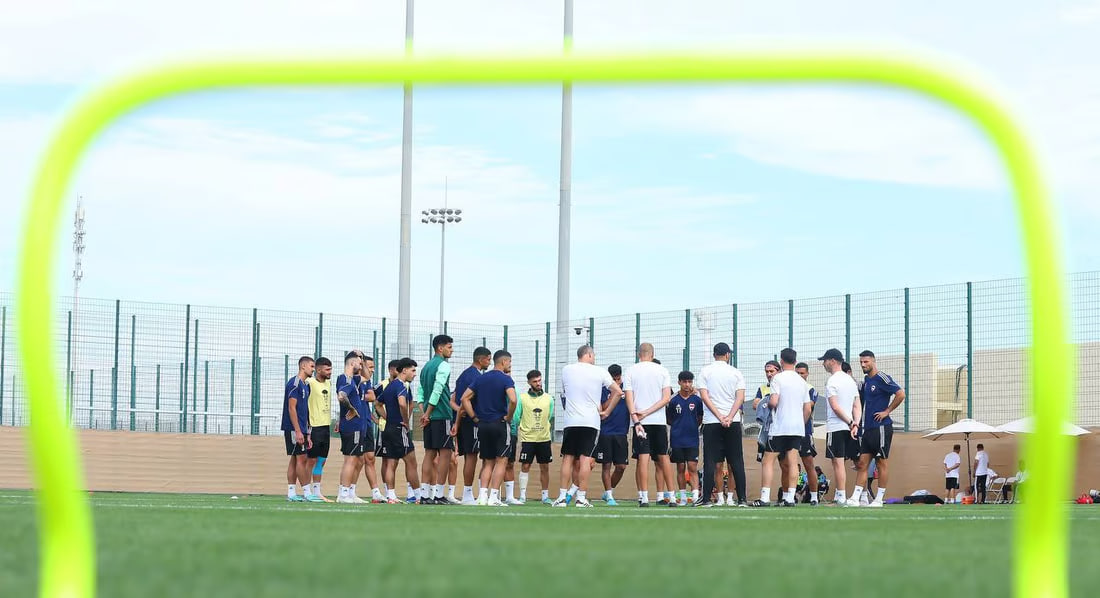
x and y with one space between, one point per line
782 444
355 443
952 483
511 446
291 448
532 451
807 448
579 441
654 444
320 438
437 436
494 438
683 455
841 445
876 442
395 442
467 437
613 449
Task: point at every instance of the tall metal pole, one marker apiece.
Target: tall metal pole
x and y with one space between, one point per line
405 270
78 275
565 197
442 255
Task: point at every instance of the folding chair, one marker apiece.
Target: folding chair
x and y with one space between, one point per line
995 492
1010 482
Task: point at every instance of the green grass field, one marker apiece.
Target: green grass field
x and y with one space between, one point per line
189 545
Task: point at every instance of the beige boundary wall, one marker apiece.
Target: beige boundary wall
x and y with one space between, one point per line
195 463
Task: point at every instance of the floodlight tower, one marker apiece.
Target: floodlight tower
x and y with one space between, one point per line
441 216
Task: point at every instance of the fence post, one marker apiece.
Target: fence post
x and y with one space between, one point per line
790 323
186 369
133 370
232 384
259 382
848 327
4 354
156 407
381 365
374 354
484 342
195 378
91 400
546 374
205 395
592 332
637 334
320 333
505 337
114 373
734 335
687 339
445 326
536 354
907 399
68 368
969 350
254 392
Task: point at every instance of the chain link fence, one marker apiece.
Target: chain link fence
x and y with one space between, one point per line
960 350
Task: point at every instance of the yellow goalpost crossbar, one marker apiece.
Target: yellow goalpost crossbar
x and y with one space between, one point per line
66 545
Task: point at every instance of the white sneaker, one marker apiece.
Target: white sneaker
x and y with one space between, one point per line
583 503
469 502
876 504
851 502
512 501
345 500
731 501
358 501
453 501
483 502
495 502
560 503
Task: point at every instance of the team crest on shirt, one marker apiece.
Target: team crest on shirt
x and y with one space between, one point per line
691 406
872 388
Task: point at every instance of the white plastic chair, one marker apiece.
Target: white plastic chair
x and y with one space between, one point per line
995 491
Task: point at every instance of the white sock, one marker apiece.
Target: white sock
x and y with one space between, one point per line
494 494
722 498
352 488
545 494
376 494
813 498
425 491
765 494
317 488
789 495
438 491
343 493
510 489
451 491
857 492
467 493
582 496
409 492
695 495
645 495
390 494
291 491
483 494
881 495
839 496
562 495
523 478
573 490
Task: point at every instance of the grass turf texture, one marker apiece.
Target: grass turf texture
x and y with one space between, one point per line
185 545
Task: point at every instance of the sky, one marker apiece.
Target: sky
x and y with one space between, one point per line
682 196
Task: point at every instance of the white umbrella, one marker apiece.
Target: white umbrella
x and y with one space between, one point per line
1026 425
965 428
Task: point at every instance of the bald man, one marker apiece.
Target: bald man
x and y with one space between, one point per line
648 388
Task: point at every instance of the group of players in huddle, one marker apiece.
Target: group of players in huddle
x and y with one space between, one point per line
485 418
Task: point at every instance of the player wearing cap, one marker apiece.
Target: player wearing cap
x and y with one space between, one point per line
685 415
438 419
295 426
582 383
492 411
807 451
722 390
465 431
881 396
791 408
648 390
613 450
841 419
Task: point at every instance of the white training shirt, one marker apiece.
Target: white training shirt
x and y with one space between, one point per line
722 381
647 381
793 392
843 387
951 460
983 463
583 385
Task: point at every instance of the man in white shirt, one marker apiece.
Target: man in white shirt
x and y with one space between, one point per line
981 474
582 386
648 388
790 400
951 465
841 419
722 389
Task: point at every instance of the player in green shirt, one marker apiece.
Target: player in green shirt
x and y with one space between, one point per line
437 420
